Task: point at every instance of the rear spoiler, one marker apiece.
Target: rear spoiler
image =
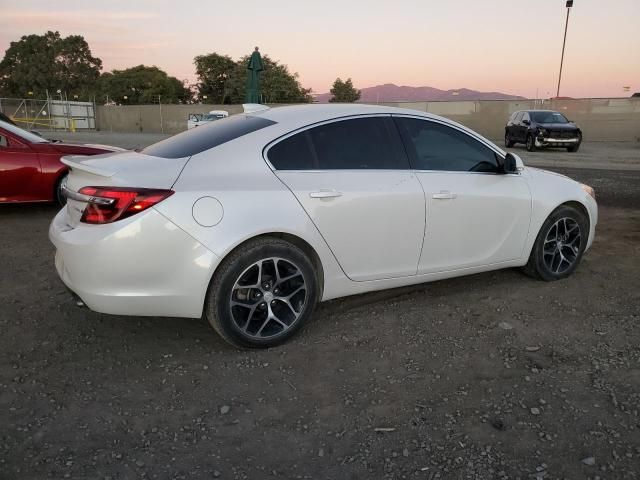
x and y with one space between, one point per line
253 107
75 163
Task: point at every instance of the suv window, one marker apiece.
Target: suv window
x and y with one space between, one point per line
518 118
353 144
526 116
433 146
206 136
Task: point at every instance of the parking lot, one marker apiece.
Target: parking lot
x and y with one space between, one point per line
489 376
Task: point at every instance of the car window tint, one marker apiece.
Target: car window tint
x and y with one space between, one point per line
293 153
433 146
362 143
206 136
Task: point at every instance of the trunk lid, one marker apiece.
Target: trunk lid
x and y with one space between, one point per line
125 169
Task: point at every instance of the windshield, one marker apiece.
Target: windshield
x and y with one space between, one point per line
548 117
23 134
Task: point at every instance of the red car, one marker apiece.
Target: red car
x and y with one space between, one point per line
30 167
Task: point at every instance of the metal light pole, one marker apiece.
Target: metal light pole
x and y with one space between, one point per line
569 5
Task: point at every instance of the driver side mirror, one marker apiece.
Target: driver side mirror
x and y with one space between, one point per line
512 163
526 122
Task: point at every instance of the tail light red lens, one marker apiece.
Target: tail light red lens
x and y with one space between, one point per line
109 204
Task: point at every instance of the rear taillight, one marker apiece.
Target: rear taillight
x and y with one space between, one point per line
108 204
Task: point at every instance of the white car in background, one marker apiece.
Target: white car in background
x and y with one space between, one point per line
253 219
198 119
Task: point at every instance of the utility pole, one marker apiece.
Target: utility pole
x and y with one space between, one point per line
564 41
161 122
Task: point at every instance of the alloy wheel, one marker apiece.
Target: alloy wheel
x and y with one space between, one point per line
562 245
268 298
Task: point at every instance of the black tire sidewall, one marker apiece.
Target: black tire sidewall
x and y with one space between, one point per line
219 304
537 253
59 198
530 143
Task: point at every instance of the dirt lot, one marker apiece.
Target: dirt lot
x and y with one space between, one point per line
490 376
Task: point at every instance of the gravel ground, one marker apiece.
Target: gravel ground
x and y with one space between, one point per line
490 376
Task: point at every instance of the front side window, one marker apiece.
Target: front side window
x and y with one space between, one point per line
526 117
353 144
433 146
518 118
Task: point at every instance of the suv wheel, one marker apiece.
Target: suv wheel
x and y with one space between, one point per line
507 140
531 143
262 294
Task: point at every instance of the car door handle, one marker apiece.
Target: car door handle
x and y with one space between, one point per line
444 195
325 194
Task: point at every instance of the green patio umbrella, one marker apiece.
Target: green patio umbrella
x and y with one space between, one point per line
253 77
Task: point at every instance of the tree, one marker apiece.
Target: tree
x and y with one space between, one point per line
223 80
344 92
41 63
141 85
213 70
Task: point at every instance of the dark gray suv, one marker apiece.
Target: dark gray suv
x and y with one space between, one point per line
542 128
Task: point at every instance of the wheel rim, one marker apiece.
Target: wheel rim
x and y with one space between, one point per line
63 183
562 245
268 298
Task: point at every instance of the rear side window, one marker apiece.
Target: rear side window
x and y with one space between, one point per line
293 153
353 144
433 146
206 136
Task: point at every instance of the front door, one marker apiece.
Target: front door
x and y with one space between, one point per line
475 214
19 169
352 177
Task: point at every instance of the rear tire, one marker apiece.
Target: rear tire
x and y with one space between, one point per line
559 245
531 143
262 294
59 197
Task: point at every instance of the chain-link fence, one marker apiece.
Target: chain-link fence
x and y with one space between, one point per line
34 114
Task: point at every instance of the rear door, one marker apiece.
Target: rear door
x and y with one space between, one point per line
352 177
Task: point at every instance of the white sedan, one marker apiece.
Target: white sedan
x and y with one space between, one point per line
254 219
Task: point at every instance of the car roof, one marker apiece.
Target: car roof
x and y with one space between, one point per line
308 114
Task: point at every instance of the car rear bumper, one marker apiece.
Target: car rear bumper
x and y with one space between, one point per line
143 265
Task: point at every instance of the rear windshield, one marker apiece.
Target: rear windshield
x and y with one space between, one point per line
206 136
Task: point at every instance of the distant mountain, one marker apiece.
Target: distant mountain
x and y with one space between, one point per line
394 93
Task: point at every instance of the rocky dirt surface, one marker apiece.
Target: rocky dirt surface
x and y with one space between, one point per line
489 376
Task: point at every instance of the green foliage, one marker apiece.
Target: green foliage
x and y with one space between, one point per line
37 63
223 81
142 85
344 92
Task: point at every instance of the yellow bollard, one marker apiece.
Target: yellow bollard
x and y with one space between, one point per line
73 125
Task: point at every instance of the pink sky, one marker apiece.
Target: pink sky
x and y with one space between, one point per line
491 45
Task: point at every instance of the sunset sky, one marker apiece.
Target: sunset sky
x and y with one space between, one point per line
510 46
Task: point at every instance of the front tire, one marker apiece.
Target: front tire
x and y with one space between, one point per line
559 245
262 294
531 143
507 140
